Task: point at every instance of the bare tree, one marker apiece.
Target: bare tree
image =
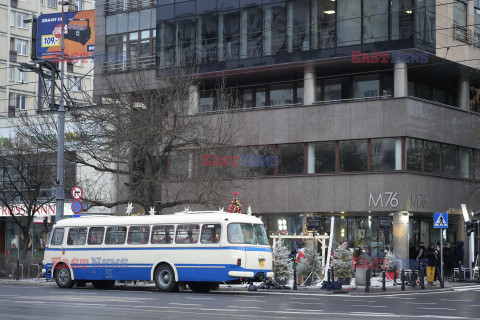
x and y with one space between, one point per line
140 125
27 174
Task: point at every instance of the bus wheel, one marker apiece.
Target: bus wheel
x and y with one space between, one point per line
165 278
103 284
63 277
199 287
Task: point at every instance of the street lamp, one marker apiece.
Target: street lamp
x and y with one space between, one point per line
60 195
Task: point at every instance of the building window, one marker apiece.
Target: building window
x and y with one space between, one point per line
386 154
260 160
22 47
460 13
136 48
432 157
12 19
449 160
79 4
352 155
231 36
21 75
20 22
52 4
291 158
477 164
77 84
324 26
413 154
349 22
42 3
181 164
281 94
321 157
10 73
21 98
68 83
209 35
465 162
332 90
375 18
366 87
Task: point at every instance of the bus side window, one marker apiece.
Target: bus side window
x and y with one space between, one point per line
162 234
187 233
210 233
57 237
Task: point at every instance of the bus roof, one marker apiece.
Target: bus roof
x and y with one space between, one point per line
179 218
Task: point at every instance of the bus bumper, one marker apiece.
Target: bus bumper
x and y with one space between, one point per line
270 275
241 274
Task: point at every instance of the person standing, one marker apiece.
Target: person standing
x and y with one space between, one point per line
421 256
448 259
438 263
460 256
431 262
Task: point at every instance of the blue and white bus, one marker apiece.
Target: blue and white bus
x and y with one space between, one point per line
201 249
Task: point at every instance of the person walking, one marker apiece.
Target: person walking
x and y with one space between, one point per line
438 263
431 262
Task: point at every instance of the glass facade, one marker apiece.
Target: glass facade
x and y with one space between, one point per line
232 30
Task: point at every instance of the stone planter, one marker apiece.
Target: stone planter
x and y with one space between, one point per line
361 276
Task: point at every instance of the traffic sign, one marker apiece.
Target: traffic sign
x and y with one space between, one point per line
76 192
84 206
440 220
76 206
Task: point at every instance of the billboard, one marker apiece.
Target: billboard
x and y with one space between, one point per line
79 34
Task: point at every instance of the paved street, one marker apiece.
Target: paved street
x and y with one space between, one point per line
33 302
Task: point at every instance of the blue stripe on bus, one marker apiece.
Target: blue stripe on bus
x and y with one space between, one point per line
186 272
161 248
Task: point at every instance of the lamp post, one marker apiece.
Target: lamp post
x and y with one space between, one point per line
60 195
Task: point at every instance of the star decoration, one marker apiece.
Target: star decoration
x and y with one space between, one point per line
129 209
152 211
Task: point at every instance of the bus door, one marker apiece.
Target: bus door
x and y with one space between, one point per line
258 256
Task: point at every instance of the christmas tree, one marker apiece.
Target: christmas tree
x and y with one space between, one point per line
282 267
342 261
236 206
311 263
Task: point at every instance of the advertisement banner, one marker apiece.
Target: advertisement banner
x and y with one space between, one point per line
79 32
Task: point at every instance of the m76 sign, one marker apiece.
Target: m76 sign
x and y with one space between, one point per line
384 200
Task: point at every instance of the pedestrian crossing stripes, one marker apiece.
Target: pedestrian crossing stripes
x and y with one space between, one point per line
467 288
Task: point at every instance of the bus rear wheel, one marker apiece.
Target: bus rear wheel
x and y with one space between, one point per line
103 284
63 276
165 278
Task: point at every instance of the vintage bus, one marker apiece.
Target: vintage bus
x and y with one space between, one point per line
201 249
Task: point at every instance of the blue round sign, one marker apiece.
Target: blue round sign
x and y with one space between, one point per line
76 206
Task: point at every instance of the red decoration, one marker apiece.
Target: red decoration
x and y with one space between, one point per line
236 206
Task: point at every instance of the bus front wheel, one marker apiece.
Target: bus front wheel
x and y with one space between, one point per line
165 278
63 276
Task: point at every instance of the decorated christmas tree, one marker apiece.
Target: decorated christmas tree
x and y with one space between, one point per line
342 261
312 263
236 206
282 263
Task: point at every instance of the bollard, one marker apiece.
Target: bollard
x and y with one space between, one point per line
329 285
295 287
384 288
422 281
395 276
402 278
18 269
333 275
367 284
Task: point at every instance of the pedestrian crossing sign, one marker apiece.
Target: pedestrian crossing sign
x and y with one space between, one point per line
440 220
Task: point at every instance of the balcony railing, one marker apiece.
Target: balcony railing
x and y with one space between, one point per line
114 6
476 39
146 62
11 111
14 3
13 56
462 33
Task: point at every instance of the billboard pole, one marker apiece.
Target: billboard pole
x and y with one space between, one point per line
60 195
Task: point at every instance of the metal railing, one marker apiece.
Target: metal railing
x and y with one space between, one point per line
462 33
146 62
115 6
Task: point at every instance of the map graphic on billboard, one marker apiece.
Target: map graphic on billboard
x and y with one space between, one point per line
79 34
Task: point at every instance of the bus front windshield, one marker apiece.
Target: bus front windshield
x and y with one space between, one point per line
246 233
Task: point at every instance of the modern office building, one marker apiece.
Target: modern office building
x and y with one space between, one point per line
19 87
370 106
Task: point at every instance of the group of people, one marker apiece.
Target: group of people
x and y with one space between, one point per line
430 259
